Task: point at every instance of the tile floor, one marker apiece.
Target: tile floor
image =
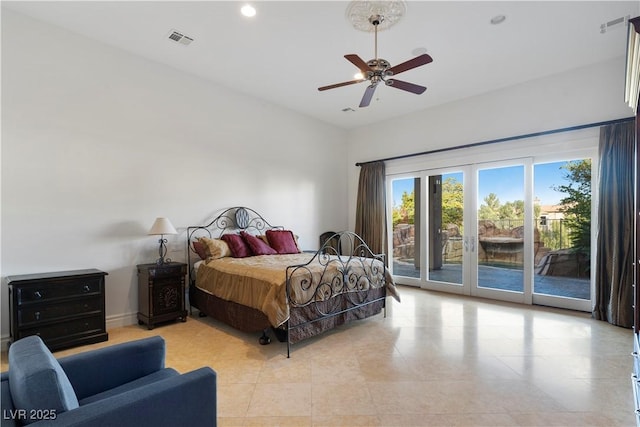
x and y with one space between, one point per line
435 360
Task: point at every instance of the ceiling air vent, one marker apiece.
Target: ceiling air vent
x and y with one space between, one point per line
178 37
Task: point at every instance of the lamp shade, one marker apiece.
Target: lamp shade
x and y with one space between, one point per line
162 226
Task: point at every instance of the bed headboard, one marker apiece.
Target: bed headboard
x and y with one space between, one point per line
231 220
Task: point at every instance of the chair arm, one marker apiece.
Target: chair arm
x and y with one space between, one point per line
95 371
6 403
188 399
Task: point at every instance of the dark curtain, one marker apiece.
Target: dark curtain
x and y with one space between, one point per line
371 218
614 263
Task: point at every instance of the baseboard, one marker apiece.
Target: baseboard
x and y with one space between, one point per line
120 320
116 321
4 343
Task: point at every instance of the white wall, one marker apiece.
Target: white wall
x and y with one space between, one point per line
586 95
96 143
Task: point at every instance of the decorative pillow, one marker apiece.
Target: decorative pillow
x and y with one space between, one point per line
36 379
215 248
239 248
282 241
257 245
200 249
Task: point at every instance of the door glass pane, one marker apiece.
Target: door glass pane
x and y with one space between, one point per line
405 222
446 210
500 239
562 238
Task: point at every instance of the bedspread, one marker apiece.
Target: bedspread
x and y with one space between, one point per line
260 281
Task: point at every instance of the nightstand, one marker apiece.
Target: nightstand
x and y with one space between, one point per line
161 292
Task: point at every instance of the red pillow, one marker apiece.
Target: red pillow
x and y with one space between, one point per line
257 245
282 241
237 245
199 248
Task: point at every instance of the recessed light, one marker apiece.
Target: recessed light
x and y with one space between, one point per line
248 10
498 19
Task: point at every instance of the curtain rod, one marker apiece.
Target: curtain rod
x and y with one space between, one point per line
494 141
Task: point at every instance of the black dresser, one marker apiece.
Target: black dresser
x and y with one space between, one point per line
65 308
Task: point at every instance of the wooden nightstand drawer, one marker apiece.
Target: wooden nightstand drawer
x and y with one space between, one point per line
44 313
167 270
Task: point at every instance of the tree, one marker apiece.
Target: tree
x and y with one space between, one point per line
452 202
577 204
405 213
490 209
512 210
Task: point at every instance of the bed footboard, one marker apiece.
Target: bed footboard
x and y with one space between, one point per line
348 287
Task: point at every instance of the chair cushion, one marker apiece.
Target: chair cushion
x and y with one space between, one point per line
36 379
132 385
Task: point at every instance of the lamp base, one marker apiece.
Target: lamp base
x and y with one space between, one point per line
162 251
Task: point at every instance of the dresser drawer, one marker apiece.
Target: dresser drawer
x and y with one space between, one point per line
47 312
65 329
62 289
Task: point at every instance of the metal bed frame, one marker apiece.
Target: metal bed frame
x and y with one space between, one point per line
338 295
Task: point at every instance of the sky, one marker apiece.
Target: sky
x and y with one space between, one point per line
507 183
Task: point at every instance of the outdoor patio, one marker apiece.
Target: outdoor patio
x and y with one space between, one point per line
508 279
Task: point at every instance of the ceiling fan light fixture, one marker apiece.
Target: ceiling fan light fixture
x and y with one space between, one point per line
379 70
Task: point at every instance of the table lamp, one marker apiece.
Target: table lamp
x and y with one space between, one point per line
160 227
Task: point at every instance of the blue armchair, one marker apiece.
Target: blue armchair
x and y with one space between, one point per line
122 385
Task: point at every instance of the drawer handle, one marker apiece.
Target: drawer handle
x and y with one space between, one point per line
86 288
37 315
37 294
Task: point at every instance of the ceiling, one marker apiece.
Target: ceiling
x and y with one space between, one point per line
290 48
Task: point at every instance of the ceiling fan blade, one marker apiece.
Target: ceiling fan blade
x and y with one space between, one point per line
340 84
412 63
368 94
409 87
358 62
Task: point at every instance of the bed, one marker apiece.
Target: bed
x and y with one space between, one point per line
270 284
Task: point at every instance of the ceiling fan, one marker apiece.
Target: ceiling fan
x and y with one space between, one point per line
380 70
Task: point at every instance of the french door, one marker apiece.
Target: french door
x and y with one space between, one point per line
492 229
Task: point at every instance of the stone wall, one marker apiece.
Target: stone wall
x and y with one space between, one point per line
494 245
404 242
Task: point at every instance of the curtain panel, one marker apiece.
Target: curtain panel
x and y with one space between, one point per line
614 262
371 217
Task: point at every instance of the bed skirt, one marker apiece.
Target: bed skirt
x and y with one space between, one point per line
304 322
